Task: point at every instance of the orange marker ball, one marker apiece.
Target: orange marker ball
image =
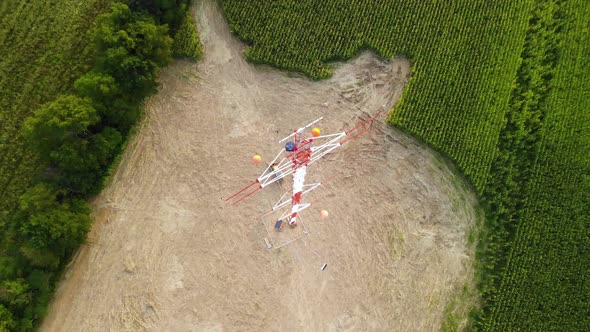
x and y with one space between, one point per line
324 214
256 159
315 132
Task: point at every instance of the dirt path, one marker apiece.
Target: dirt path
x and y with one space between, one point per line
167 254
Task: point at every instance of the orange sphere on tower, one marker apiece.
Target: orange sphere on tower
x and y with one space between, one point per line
315 132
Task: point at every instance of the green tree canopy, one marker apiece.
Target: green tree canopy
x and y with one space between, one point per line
58 123
97 86
116 109
8 267
15 293
132 47
61 132
170 12
7 322
50 225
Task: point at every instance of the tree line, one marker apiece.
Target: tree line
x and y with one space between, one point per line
77 136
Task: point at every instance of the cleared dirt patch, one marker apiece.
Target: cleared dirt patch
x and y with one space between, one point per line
167 254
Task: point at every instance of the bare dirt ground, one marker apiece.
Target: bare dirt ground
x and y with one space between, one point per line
167 254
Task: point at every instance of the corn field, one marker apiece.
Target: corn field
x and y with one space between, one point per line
501 88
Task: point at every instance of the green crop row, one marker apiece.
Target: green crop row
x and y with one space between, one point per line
518 143
186 41
546 283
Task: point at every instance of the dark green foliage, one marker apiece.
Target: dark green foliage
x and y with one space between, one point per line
51 224
82 162
170 12
62 122
131 49
97 86
40 282
15 293
60 132
186 41
115 108
8 268
105 144
7 322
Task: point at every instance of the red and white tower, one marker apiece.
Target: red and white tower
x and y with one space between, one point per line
298 153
